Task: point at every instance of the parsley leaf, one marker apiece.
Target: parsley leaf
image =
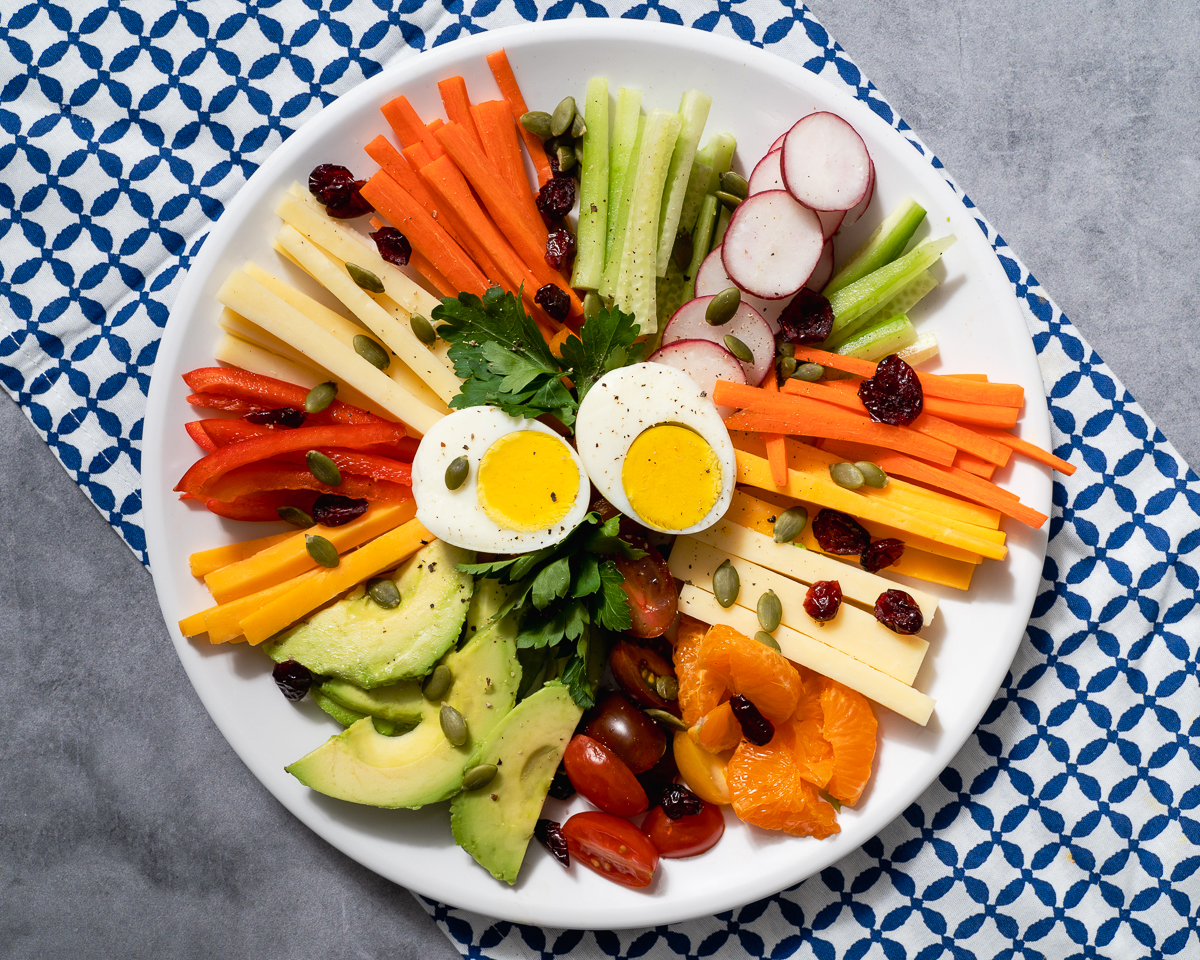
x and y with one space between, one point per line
604 343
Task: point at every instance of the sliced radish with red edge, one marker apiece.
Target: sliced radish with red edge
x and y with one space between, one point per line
711 279
705 362
854 214
766 174
823 271
747 325
825 163
772 245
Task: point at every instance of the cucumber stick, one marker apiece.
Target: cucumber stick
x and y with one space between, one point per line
592 236
718 154
882 247
626 125
880 339
693 112
706 222
619 193
911 294
697 190
635 290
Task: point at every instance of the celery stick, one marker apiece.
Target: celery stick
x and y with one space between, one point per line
635 292
706 222
924 348
693 110
591 237
625 129
618 211
697 189
878 287
722 226
902 302
718 154
880 339
882 247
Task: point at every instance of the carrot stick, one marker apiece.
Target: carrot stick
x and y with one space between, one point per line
1032 451
972 464
408 125
458 106
424 233
496 129
776 445
507 82
426 269
383 153
982 414
952 388
417 155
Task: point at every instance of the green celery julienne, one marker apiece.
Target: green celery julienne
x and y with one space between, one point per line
591 238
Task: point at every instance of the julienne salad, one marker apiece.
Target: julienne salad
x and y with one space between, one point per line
594 483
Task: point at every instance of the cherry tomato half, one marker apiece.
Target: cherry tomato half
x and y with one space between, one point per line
703 772
687 836
637 670
603 777
626 731
614 848
650 589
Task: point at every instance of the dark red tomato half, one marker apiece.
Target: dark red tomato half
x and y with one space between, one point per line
614 848
626 731
687 836
603 777
650 589
637 670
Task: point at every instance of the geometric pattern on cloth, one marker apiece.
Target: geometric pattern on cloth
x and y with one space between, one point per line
1068 825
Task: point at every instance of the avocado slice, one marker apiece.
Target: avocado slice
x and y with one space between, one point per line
494 823
339 713
400 702
356 639
422 766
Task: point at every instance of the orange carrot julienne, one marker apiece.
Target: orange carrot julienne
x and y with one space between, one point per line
1032 451
506 80
398 168
417 155
973 464
982 414
498 132
421 264
775 443
458 105
408 125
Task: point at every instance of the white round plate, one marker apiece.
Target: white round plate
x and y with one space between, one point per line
756 96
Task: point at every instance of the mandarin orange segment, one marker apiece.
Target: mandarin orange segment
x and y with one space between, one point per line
850 727
762 675
767 790
699 690
718 729
813 753
808 707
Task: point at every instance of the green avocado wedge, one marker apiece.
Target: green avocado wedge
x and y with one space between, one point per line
494 823
356 639
399 703
422 766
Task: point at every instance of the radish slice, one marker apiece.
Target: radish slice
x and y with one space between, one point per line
772 245
823 271
747 325
766 174
825 163
855 213
831 220
705 362
778 142
711 279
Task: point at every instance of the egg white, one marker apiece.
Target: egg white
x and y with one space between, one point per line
629 400
456 516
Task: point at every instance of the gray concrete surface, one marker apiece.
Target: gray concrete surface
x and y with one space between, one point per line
129 829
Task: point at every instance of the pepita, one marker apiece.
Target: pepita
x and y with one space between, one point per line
667 688
422 329
480 776
323 468
456 473
767 640
563 117
846 475
787 366
738 349
453 725
770 611
437 684
730 201
537 122
384 592
726 584
723 306
321 550
873 474
735 184
809 372
578 127
295 516
320 397
668 720
364 278
790 524
566 158
370 351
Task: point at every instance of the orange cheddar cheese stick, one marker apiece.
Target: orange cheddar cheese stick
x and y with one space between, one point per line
206 561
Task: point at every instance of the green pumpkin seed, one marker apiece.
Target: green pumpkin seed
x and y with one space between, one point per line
453 725
320 397
579 152
681 252
667 688
456 473
787 366
566 158
723 306
770 611
384 592
592 305
809 372
735 183
738 349
790 524
578 127
730 201
726 584
563 117
832 801
364 278
537 122
668 720
370 351
422 329
438 683
480 776
784 349
321 550
873 474
295 516
846 475
324 469
767 640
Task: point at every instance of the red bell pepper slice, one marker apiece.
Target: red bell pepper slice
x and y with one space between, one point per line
270 475
204 472
355 461
197 432
267 393
262 507
217 432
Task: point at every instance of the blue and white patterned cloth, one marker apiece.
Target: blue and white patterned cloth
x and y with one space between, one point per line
1068 824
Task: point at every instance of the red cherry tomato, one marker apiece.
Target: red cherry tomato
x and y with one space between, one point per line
626 731
614 848
687 836
636 669
603 777
650 589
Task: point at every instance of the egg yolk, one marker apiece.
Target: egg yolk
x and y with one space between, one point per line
671 476
527 481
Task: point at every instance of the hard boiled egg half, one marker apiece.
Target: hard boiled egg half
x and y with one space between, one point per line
656 449
525 487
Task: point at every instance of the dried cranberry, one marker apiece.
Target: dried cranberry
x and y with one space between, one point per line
550 835
840 533
556 198
678 801
560 248
894 394
561 787
823 600
755 727
659 777
807 319
293 679
333 510
554 301
882 553
289 417
393 246
899 612
336 188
